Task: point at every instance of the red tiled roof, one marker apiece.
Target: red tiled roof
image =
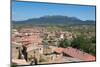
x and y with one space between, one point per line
79 54
59 50
31 39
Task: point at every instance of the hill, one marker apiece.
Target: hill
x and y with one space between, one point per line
54 20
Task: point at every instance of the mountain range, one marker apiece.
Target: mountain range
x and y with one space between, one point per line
55 20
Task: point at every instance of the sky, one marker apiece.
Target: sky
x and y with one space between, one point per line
28 10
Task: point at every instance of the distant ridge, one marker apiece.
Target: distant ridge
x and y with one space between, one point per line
54 20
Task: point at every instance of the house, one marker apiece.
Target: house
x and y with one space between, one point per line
15 52
76 53
54 54
59 54
35 51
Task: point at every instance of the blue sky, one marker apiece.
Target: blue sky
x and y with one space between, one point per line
27 10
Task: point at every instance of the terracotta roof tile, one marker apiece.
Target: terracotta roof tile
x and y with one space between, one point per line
59 50
79 54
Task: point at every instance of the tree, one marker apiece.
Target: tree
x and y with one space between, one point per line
85 44
78 42
64 43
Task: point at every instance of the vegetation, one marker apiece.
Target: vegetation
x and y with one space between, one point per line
64 43
85 41
82 43
86 44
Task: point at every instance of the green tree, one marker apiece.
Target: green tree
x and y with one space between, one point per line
78 42
85 44
64 43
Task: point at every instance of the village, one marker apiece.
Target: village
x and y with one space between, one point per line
37 45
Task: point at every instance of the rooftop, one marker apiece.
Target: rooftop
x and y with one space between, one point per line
79 54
